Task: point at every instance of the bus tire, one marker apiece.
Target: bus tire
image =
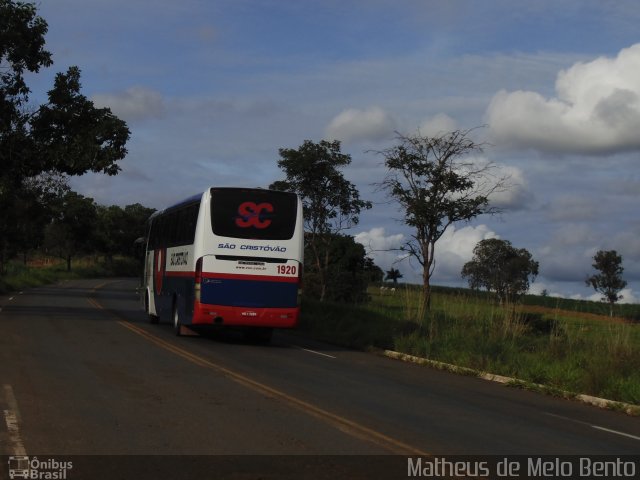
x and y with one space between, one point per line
176 319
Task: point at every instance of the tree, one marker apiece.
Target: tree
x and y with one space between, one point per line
435 188
349 270
331 203
72 231
500 268
65 136
117 228
609 281
373 272
393 275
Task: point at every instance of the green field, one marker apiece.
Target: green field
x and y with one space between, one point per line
563 349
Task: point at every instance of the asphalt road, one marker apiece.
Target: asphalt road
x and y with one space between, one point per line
83 373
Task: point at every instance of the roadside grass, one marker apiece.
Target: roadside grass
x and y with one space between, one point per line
560 349
19 276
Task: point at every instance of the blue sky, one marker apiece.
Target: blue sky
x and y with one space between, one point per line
212 89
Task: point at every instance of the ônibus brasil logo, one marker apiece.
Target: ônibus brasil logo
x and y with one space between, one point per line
22 466
250 215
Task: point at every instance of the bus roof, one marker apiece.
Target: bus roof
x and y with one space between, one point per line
192 199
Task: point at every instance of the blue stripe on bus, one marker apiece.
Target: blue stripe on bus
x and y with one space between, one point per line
249 293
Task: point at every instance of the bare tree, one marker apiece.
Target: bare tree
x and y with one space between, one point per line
437 185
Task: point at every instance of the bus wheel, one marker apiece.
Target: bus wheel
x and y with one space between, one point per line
176 319
259 334
152 318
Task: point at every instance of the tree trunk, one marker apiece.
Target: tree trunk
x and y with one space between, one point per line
324 275
68 263
425 300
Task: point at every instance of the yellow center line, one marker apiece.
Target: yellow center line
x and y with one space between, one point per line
344 424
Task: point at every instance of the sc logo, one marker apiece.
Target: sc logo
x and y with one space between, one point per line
250 215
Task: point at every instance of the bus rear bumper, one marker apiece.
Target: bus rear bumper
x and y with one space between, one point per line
205 314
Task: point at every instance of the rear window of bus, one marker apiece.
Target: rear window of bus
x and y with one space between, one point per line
253 214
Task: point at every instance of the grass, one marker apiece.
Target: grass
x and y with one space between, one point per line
43 271
560 349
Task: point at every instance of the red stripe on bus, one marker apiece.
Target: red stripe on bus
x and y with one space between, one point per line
179 274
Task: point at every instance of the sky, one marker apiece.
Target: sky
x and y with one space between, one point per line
212 89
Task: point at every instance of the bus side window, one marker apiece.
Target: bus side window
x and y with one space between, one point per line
181 234
172 229
192 220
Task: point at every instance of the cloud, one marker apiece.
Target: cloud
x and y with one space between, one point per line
382 248
596 110
455 248
377 240
357 125
437 125
573 208
628 296
135 103
516 195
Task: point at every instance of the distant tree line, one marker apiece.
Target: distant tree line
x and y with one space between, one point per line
80 226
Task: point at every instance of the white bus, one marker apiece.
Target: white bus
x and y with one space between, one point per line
229 257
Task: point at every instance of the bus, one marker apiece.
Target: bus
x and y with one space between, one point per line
227 257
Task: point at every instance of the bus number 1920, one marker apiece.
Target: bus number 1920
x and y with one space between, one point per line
287 270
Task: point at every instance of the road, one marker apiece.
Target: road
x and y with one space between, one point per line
83 373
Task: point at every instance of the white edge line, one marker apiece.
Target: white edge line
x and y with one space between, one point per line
615 432
313 351
11 418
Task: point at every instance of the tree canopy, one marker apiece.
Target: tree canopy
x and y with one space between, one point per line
609 281
331 203
500 268
393 275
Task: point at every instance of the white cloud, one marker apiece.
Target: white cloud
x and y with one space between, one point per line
516 195
135 103
437 125
377 240
628 296
357 125
596 109
383 248
455 248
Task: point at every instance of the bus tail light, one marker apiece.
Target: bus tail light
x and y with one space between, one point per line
198 285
